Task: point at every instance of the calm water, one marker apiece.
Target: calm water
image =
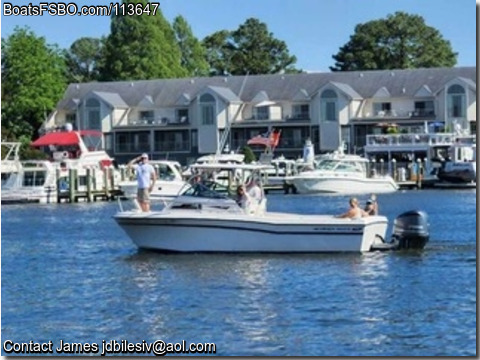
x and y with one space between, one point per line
70 273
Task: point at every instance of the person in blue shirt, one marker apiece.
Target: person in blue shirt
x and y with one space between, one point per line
146 178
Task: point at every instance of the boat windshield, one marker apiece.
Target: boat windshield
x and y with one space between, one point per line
341 166
207 189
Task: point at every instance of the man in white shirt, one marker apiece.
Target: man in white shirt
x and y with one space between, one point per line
146 178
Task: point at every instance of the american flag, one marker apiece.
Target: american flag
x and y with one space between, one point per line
270 139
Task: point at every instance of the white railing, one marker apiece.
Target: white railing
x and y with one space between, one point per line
410 139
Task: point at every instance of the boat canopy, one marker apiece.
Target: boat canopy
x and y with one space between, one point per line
64 137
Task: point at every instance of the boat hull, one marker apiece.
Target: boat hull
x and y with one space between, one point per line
197 231
347 185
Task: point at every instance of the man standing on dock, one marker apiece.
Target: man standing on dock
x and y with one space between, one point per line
146 178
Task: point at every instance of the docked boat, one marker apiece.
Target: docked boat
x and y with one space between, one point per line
461 165
446 158
41 181
341 173
169 181
11 161
204 220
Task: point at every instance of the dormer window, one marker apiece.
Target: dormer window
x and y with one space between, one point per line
262 113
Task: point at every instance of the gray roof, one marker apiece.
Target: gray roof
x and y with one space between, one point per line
279 87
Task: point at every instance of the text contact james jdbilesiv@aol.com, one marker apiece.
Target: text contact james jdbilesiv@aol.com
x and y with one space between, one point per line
158 347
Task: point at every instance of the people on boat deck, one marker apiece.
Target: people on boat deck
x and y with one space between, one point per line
371 207
146 178
355 212
243 198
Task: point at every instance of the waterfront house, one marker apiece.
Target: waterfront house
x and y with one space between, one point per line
182 119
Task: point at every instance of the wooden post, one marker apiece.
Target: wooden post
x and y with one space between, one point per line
57 177
419 173
111 172
105 181
394 170
72 179
89 185
122 172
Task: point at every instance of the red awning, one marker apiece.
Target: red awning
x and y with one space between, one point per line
63 137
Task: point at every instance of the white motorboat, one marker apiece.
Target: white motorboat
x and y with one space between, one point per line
203 220
40 180
340 173
169 181
34 182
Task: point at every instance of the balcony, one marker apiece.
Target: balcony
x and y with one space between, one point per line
160 121
171 146
412 140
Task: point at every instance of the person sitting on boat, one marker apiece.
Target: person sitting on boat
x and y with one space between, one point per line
355 212
146 177
371 207
243 198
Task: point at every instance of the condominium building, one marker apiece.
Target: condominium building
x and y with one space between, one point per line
182 119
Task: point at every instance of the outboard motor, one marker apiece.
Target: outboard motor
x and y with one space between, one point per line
411 230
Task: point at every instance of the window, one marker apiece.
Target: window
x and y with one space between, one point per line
147 116
424 108
172 141
456 101
207 109
262 113
93 114
133 142
301 111
71 118
181 115
382 108
328 106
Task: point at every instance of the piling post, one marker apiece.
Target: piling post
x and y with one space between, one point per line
372 169
419 173
57 181
394 170
122 172
382 173
105 181
89 185
111 173
72 179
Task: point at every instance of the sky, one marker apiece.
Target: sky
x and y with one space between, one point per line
313 30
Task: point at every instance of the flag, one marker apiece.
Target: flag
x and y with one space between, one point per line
270 139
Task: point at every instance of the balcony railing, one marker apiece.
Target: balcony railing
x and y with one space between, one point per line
161 121
172 146
409 139
401 113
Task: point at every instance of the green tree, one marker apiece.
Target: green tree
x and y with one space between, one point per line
249 49
218 52
401 41
193 54
249 155
140 47
82 59
33 81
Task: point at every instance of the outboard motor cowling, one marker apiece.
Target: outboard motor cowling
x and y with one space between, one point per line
411 230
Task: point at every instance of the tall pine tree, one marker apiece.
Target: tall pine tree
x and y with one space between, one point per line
193 53
140 47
